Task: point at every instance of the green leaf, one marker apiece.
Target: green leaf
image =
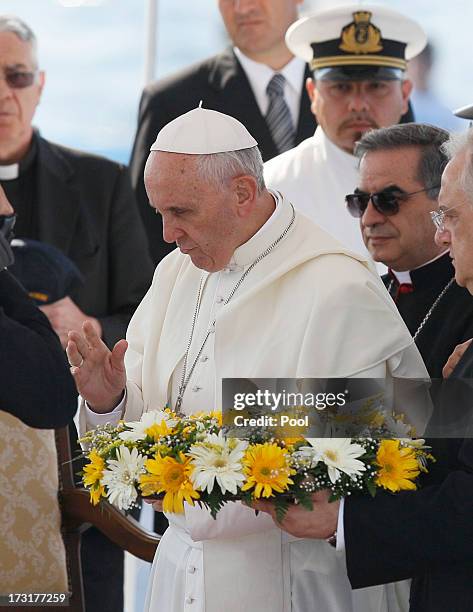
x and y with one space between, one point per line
371 486
281 505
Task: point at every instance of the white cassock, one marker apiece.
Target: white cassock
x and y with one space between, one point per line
316 176
308 309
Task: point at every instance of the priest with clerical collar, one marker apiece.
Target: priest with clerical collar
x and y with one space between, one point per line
401 168
255 290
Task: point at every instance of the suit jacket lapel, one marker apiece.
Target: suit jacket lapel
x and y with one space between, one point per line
307 122
239 100
58 200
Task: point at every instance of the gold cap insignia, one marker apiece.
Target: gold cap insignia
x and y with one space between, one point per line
361 36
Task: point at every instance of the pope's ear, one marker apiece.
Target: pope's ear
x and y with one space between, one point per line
245 189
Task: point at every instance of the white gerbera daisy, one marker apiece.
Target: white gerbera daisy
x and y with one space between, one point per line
157 419
121 476
218 459
396 426
338 454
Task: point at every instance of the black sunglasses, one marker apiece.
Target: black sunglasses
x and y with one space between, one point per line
385 202
19 79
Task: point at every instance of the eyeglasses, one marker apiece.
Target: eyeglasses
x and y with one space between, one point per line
19 79
439 217
385 202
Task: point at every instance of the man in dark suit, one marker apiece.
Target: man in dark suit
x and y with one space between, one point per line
426 534
235 83
83 205
37 386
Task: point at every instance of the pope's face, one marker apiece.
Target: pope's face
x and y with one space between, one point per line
198 215
347 109
405 240
458 235
17 106
257 26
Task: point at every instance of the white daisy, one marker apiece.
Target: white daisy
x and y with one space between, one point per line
218 459
338 454
396 426
121 477
139 429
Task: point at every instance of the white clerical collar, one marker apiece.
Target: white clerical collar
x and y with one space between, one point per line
405 277
259 76
332 151
245 254
9 172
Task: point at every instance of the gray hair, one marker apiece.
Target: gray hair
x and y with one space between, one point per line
457 143
427 138
15 25
222 167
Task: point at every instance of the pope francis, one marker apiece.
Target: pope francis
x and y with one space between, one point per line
255 290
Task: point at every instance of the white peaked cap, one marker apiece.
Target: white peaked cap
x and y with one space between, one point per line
202 131
328 24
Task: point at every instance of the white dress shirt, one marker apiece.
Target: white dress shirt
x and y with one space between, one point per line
259 76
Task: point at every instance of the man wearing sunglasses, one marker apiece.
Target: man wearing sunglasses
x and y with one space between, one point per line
400 172
84 206
358 59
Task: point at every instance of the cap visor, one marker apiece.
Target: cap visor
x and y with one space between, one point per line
358 73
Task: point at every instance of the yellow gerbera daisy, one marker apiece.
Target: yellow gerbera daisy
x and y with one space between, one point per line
267 469
169 476
217 414
291 441
398 466
158 430
214 414
96 493
93 471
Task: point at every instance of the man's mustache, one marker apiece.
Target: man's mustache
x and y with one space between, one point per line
359 118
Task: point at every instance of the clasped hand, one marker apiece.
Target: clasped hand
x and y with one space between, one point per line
320 523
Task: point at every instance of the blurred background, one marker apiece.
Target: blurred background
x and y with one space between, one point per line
94 54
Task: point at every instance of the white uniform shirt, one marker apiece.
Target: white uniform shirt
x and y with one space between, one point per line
316 176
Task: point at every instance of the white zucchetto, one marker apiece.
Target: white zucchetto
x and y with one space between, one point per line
201 132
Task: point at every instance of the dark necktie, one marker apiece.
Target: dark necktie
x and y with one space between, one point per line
278 117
